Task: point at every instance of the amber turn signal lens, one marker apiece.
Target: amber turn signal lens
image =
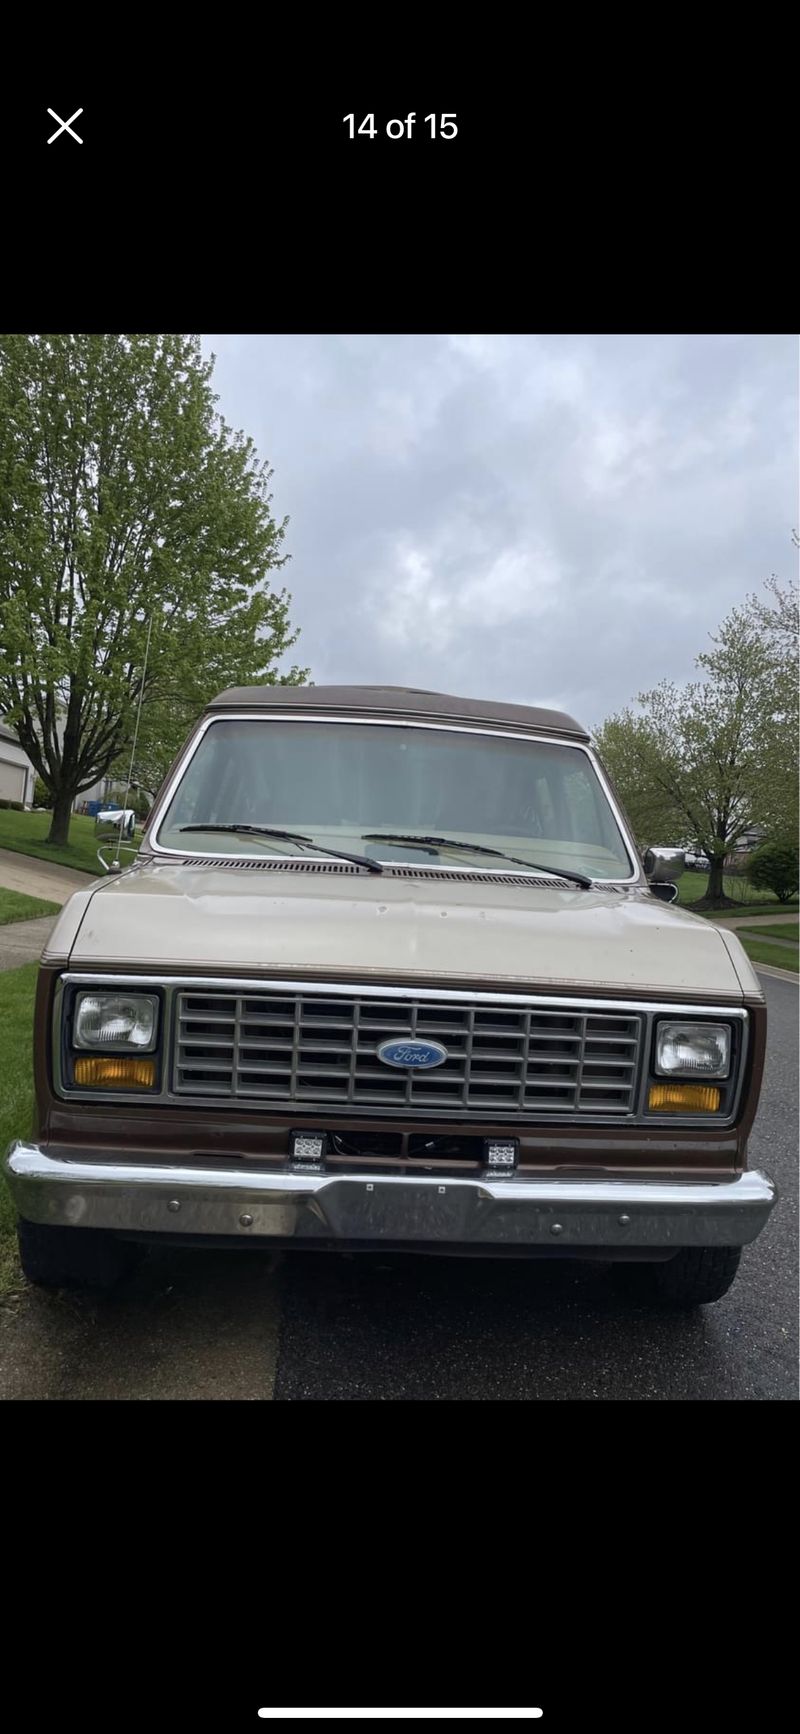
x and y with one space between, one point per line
119 1074
683 1098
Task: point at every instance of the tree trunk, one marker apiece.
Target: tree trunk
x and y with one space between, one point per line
62 813
715 890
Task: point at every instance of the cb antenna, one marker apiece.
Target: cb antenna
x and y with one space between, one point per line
116 863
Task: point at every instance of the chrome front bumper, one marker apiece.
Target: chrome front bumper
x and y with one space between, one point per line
568 1215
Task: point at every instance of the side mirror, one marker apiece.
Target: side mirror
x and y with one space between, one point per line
662 865
663 890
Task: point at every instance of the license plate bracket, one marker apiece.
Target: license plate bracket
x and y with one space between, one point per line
376 1210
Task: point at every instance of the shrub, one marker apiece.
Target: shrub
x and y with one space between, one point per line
41 794
16 806
775 867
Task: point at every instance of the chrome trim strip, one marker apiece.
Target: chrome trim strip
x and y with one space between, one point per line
77 1190
384 990
372 720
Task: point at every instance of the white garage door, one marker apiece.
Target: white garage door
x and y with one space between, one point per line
12 781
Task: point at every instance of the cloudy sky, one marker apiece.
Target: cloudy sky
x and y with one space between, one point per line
555 520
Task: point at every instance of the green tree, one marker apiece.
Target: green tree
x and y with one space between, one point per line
708 760
214 652
775 867
125 500
777 620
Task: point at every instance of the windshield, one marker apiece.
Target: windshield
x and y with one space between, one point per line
340 783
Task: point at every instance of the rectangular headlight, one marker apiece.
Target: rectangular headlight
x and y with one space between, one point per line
122 1022
689 1050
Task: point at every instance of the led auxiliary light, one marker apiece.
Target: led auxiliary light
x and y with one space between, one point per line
500 1155
307 1150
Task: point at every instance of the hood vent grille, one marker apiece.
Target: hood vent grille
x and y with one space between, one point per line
471 877
296 864
292 864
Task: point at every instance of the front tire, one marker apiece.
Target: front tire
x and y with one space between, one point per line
74 1257
695 1277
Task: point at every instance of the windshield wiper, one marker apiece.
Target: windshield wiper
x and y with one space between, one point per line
478 849
291 837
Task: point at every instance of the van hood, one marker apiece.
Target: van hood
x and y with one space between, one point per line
167 916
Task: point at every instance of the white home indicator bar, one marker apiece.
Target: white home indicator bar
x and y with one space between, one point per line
482 1715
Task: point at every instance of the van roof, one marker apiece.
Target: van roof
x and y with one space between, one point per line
405 701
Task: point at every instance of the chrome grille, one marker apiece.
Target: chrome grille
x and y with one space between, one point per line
319 1049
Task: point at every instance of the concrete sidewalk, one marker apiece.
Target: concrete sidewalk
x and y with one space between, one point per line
42 878
724 920
769 939
749 925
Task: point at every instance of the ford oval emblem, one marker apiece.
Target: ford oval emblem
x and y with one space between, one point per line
419 1056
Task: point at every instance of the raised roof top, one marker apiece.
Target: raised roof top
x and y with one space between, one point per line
406 701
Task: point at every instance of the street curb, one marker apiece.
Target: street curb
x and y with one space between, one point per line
779 974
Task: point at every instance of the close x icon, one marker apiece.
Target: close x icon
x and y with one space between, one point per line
65 126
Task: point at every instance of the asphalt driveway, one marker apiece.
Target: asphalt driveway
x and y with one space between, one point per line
308 1326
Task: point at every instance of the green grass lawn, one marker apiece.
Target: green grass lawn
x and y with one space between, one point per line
26 833
17 988
789 931
15 906
692 886
759 951
750 909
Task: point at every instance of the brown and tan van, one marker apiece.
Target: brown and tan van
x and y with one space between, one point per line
388 970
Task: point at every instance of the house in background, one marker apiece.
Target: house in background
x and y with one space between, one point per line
100 792
745 846
752 839
17 774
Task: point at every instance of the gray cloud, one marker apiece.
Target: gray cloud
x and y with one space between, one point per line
557 520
